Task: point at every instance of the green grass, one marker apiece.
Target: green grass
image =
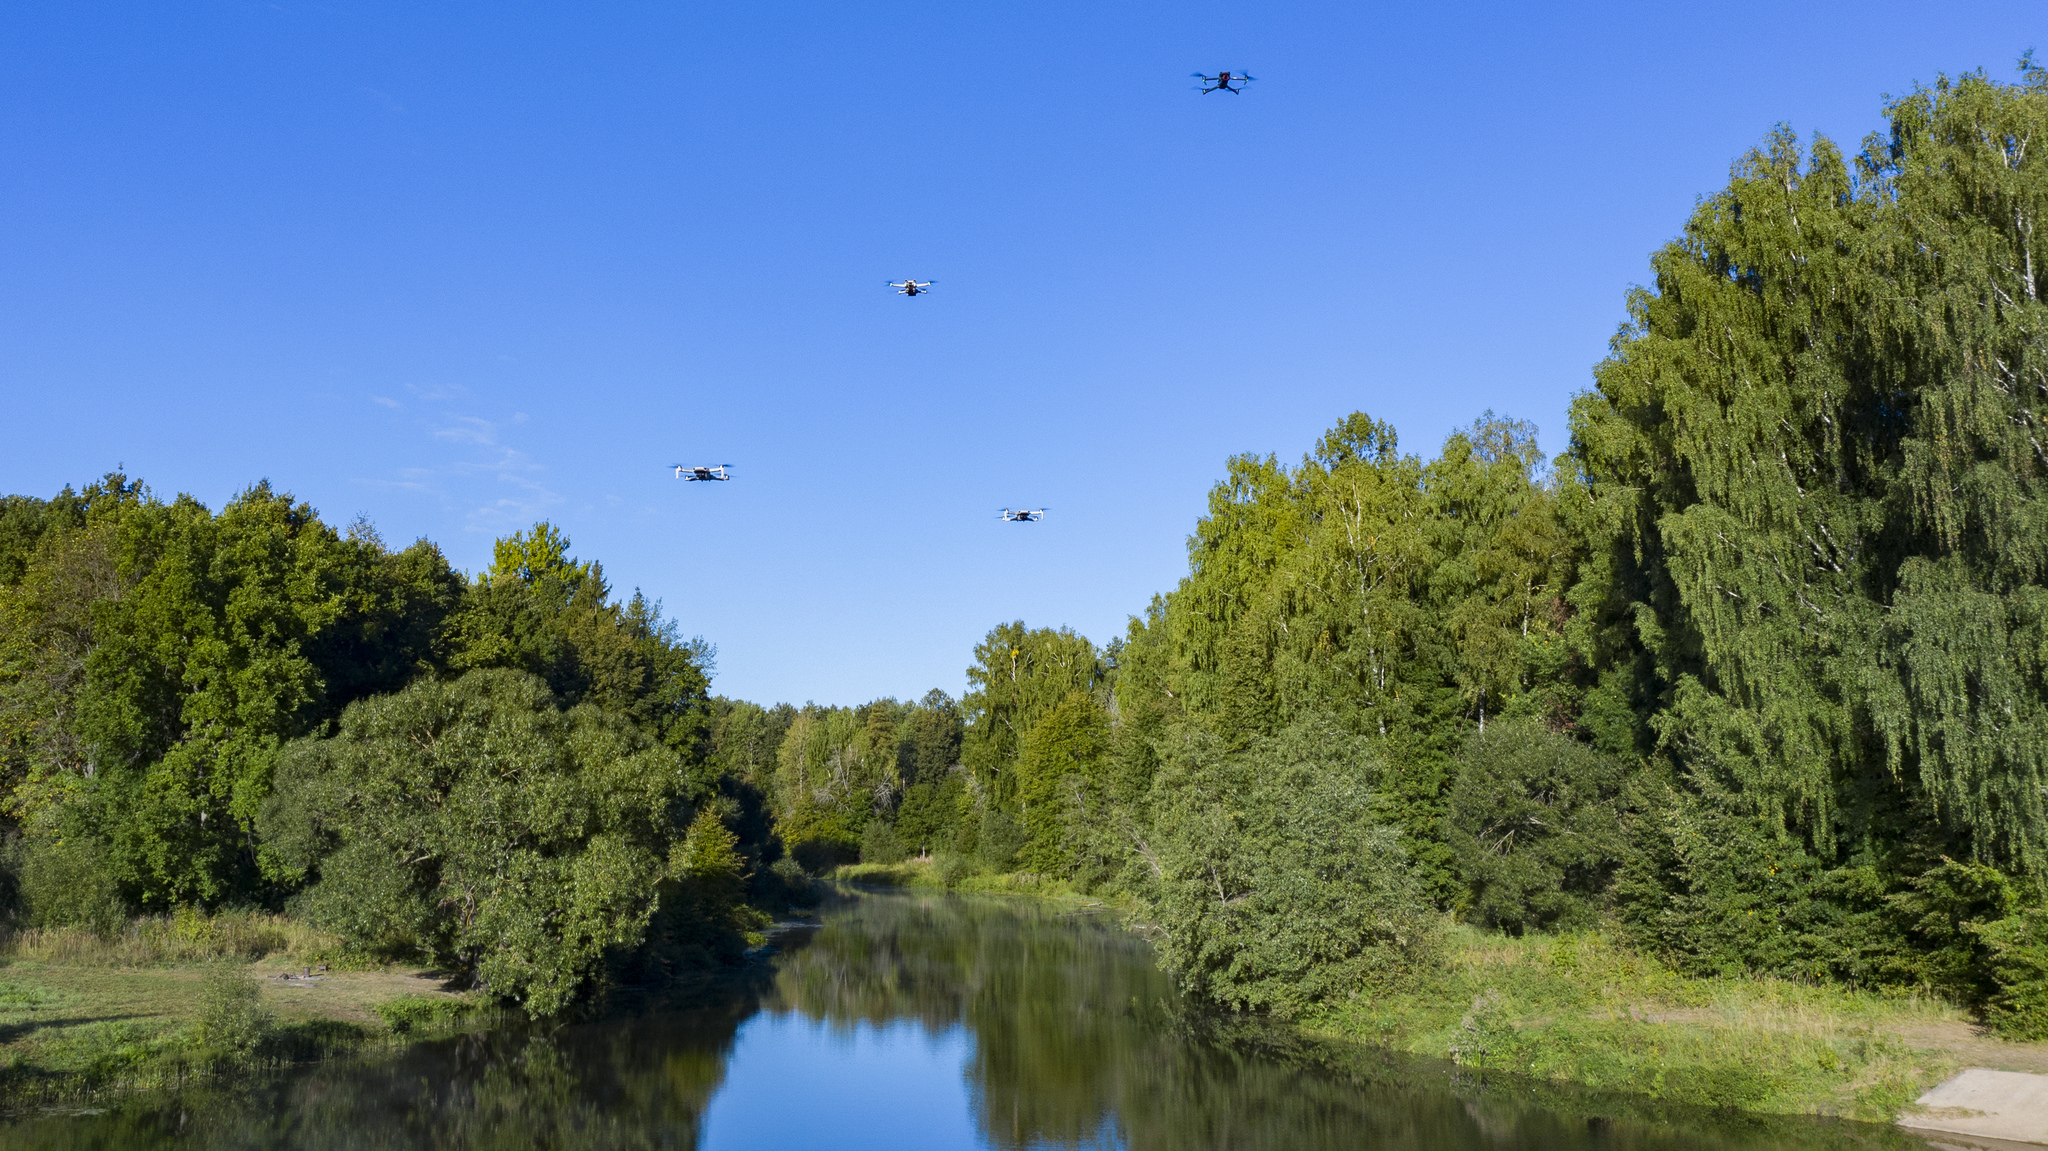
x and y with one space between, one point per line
1588 1011
931 873
82 1014
1584 1010
186 936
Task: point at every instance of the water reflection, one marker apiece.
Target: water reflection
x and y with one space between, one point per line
911 1020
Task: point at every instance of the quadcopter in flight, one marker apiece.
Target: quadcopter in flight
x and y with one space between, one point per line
1220 82
1023 515
911 287
704 473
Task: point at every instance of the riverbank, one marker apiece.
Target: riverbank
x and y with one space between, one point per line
1586 1010
932 874
172 998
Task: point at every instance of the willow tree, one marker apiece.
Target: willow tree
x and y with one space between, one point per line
1816 451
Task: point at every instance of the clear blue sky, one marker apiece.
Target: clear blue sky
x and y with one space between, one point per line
461 267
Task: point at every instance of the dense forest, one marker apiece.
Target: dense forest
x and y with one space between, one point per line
1755 674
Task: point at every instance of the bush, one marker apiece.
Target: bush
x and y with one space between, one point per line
477 822
1534 821
1001 840
232 1019
1277 890
2019 967
952 869
818 856
878 844
67 882
1486 1033
414 1014
795 882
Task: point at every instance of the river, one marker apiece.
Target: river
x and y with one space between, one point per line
909 1021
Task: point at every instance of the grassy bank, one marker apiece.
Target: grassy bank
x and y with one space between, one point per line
1586 1010
172 998
935 874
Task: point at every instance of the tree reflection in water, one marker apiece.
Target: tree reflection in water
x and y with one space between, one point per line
1077 1041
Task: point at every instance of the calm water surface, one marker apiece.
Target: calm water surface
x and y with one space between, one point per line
907 1022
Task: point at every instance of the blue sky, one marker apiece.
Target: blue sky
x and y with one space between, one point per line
460 267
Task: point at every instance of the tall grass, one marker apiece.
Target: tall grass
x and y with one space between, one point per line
1585 1009
185 936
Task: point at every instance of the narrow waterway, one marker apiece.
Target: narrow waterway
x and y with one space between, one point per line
911 1022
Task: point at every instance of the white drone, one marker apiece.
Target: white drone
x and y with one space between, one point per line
911 287
686 472
1022 515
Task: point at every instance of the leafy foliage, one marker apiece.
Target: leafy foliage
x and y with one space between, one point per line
1536 822
232 1020
477 823
1277 891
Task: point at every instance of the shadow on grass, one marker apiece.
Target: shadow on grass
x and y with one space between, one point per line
13 1031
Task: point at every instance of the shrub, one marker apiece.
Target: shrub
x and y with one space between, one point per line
878 844
1487 1032
795 881
2019 967
1534 822
67 882
1001 840
413 1014
1277 890
232 1019
477 822
952 869
818 856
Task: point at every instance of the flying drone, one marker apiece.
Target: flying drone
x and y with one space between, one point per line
911 287
1221 81
1023 515
717 472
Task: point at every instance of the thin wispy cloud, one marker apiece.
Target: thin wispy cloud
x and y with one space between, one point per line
500 488
469 430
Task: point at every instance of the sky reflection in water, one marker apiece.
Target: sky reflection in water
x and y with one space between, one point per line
885 1088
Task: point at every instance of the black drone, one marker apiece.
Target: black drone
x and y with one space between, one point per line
1022 515
1221 82
717 472
911 287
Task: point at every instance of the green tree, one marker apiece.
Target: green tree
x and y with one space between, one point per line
1411 600
542 612
1536 821
1018 675
935 787
232 634
1059 790
1810 478
477 824
1277 890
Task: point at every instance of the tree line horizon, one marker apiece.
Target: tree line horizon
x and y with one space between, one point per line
1754 674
